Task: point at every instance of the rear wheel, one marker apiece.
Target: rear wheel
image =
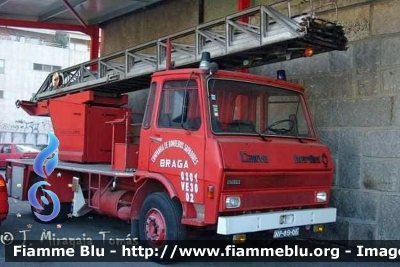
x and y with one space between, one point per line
65 208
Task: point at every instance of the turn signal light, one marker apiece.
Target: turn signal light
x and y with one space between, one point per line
210 191
308 52
2 183
239 239
319 228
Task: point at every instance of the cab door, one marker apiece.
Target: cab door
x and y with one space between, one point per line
177 138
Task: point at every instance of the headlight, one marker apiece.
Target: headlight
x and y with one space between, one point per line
232 202
321 197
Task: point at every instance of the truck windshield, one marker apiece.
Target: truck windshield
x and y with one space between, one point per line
245 108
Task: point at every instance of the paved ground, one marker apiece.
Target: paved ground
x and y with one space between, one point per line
91 226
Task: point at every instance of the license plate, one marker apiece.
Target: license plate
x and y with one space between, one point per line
289 232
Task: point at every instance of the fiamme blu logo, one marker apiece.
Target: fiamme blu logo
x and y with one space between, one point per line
43 166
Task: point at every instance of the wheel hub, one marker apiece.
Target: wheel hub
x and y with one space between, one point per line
155 227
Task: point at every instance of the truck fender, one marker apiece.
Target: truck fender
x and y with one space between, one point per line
151 182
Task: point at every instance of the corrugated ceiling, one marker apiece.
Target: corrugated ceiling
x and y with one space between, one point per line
92 12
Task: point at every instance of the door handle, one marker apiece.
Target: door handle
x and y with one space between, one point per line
156 139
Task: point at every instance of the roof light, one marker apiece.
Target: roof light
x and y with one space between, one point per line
205 60
206 64
281 75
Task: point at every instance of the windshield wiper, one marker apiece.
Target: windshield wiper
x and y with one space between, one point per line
296 130
263 137
252 127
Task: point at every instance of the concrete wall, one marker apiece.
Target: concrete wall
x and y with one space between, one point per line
355 99
354 96
20 82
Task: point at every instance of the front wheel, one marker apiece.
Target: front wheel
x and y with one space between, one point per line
159 223
160 220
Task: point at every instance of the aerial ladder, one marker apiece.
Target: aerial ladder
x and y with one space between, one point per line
269 36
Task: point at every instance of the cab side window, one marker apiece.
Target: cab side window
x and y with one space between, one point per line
179 108
150 106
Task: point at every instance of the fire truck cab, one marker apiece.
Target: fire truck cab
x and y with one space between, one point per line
240 150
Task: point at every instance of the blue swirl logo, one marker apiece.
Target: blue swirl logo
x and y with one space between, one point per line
34 202
43 155
44 172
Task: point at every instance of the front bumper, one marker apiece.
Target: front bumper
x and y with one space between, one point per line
247 223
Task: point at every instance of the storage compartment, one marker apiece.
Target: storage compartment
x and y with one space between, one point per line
80 126
126 157
126 150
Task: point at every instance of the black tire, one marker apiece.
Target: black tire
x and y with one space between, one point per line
160 204
65 208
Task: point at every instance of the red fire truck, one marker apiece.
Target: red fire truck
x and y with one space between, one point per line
212 148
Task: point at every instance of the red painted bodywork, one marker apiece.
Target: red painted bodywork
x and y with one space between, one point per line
94 44
84 137
242 5
291 185
4 206
80 125
182 163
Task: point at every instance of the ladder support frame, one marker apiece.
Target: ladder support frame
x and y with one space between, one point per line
222 38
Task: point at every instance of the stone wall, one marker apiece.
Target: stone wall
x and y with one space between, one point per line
355 100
